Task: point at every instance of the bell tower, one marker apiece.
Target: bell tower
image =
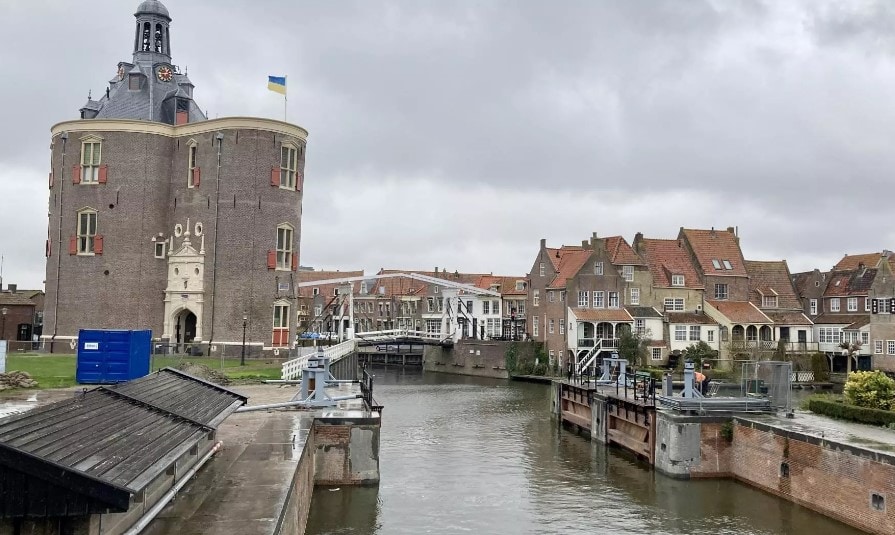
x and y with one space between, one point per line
152 41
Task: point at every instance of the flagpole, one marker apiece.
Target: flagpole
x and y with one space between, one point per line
286 100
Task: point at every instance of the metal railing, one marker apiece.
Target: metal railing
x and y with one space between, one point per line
366 389
291 369
639 385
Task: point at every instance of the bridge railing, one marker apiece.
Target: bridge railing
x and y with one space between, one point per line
391 334
291 369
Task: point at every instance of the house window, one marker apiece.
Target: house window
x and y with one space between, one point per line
834 304
486 307
635 296
430 304
878 347
288 166
363 287
865 338
598 268
550 325
280 325
628 273
582 299
866 304
716 264
284 247
433 326
599 299
535 298
534 326
677 280
435 290
552 354
86 232
335 292
495 307
192 174
541 269
710 335
695 332
680 333
520 308
656 353
639 326
318 310
813 307
727 264
852 304
520 285
890 347
160 249
562 326
720 291
550 297
829 335
91 152
315 292
613 299
769 301
675 304
877 502
133 82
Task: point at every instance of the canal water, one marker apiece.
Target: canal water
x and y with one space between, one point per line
468 455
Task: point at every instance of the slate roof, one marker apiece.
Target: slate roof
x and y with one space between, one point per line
788 317
740 311
772 278
839 319
717 245
863 322
850 283
850 262
153 7
694 318
15 299
569 263
109 444
804 281
666 258
621 253
643 312
602 314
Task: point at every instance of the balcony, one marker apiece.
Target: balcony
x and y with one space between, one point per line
606 343
771 345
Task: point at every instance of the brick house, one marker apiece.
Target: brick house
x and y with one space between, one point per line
318 306
810 287
772 291
513 296
166 220
17 315
882 314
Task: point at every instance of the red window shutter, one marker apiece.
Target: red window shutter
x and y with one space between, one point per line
98 244
275 177
197 177
271 260
73 245
51 180
76 174
294 261
103 174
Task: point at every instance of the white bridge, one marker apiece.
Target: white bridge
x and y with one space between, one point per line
349 340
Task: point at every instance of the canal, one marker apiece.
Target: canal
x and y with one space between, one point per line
469 455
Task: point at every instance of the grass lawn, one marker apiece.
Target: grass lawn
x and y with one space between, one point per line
58 371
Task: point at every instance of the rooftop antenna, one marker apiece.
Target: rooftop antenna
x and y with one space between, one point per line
1 272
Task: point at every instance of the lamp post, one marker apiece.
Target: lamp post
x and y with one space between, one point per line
245 320
3 312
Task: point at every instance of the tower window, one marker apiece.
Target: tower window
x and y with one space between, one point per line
158 39
288 166
91 152
86 231
160 249
146 44
280 324
192 179
284 247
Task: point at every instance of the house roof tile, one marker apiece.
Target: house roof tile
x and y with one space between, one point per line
712 246
771 278
788 317
695 318
325 289
602 314
643 312
621 253
740 311
854 282
15 299
802 281
863 322
569 264
507 284
839 319
666 258
851 262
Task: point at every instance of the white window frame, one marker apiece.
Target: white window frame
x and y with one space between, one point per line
680 333
562 326
551 323
288 166
535 298
551 298
851 304
674 304
628 273
639 325
486 307
867 304
635 296
835 304
769 301
542 268
812 307
280 321
877 347
613 298
160 249
865 338
534 326
716 263
890 347
697 331
727 265
583 298
710 335
86 234
520 285
315 292
192 154
722 291
656 353
598 268
90 164
599 299
285 240
318 310
677 280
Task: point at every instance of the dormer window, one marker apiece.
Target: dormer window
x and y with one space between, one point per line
628 273
769 301
716 264
677 280
520 285
133 82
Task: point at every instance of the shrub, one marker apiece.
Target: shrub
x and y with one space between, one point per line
874 390
837 409
820 365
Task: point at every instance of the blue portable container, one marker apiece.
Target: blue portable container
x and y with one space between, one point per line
112 356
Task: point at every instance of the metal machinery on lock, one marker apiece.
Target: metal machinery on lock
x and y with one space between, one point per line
315 377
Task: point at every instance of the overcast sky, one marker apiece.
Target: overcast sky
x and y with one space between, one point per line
457 134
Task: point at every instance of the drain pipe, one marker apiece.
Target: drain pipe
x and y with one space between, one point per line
150 515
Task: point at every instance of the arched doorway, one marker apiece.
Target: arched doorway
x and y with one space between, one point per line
184 327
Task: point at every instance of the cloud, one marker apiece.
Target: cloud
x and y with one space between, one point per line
459 133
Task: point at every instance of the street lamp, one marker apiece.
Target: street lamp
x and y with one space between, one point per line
245 320
3 312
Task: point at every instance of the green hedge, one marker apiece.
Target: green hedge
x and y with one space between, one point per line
836 408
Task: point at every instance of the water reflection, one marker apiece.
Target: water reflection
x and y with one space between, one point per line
469 455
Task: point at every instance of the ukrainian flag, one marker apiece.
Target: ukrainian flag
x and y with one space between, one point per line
277 84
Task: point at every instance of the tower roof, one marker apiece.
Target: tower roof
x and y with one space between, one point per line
153 7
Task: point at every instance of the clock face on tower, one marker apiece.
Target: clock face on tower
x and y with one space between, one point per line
165 74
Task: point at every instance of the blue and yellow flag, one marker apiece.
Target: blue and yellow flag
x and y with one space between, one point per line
277 84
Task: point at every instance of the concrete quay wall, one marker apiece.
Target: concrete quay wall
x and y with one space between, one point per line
468 357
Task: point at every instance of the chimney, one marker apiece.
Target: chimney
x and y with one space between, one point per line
543 243
436 272
12 288
584 243
713 232
732 230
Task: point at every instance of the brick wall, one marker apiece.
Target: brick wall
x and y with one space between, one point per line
346 451
469 357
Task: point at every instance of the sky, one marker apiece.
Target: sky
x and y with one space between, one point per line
459 133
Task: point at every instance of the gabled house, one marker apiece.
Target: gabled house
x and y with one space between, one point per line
318 306
745 331
719 261
676 284
772 291
810 287
513 296
882 314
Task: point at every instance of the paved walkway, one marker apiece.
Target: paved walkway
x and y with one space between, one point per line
868 437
